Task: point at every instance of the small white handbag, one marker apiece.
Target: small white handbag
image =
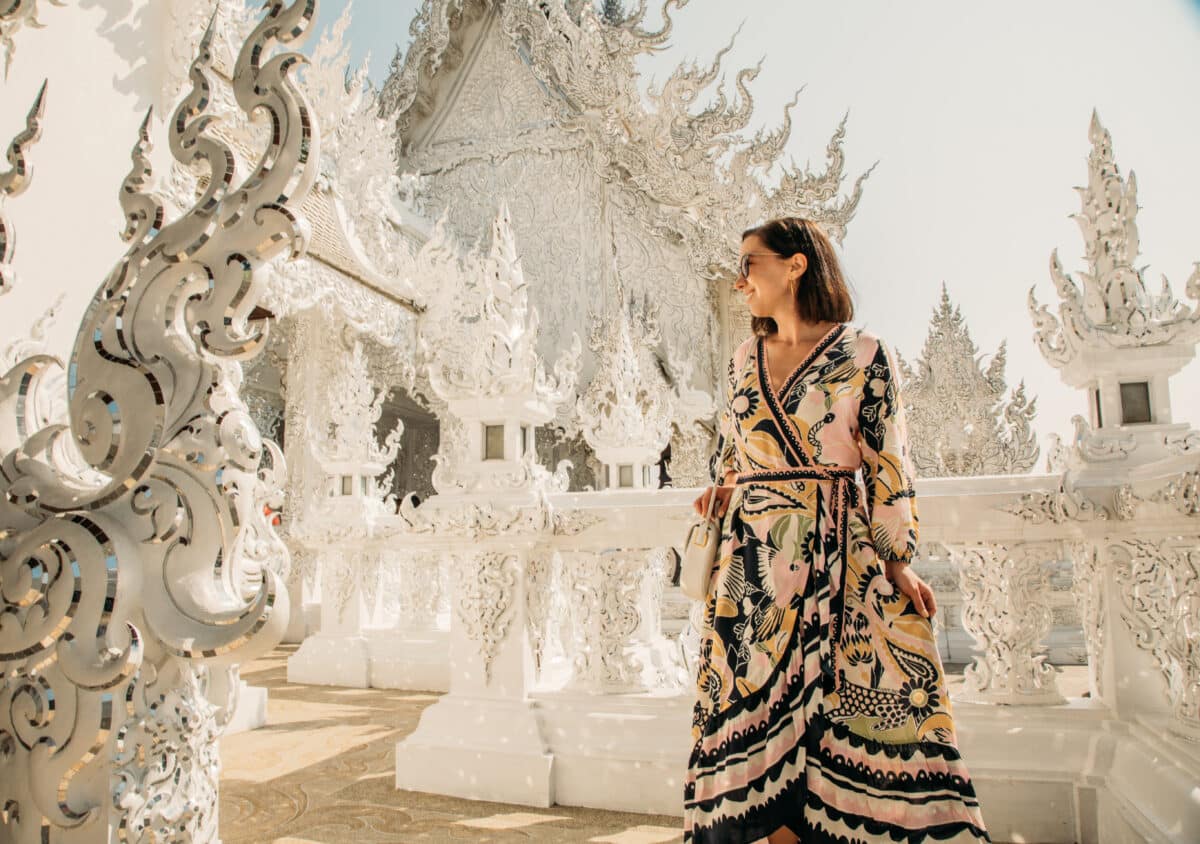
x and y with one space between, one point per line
700 553
703 537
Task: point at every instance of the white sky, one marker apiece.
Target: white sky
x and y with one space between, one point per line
978 114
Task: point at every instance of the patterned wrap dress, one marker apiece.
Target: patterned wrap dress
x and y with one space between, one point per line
822 705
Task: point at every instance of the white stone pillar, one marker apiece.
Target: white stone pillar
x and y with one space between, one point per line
338 655
413 651
482 740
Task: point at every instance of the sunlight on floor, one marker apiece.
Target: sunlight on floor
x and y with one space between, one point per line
514 820
322 771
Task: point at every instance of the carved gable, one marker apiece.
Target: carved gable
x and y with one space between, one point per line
490 102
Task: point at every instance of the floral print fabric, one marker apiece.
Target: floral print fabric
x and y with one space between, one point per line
821 702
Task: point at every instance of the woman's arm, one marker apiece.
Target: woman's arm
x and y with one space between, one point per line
722 464
887 465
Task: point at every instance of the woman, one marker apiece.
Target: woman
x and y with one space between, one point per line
822 712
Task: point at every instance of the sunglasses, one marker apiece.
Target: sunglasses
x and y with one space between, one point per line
744 262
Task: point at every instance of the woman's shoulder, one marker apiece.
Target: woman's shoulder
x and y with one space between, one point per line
743 350
865 340
868 347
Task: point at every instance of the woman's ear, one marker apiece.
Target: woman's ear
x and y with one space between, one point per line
799 265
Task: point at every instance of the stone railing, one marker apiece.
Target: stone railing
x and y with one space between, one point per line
557 635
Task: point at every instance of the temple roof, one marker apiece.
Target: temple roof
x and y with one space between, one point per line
702 171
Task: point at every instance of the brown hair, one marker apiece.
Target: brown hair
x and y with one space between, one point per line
822 294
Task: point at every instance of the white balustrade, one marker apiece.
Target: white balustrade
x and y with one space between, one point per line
1007 610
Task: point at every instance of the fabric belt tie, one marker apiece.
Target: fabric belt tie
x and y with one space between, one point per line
843 498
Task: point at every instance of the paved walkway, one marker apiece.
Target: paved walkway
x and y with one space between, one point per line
322 770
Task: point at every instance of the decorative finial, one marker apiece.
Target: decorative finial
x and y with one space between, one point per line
14 181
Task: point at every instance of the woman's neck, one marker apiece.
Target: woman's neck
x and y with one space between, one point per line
792 330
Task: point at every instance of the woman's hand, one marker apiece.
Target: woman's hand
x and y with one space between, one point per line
700 505
911 584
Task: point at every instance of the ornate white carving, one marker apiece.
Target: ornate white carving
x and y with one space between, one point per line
541 581
347 574
359 162
1186 443
474 521
478 345
1090 446
15 180
1182 493
256 497
1006 610
1062 505
141 556
266 410
663 187
15 14
166 766
662 661
626 412
1111 306
356 404
1058 456
185 24
1160 597
496 350
359 267
690 450
1087 586
605 591
483 599
691 404
959 420
38 386
1124 502
420 590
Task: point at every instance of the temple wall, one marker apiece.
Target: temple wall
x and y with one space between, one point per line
487 144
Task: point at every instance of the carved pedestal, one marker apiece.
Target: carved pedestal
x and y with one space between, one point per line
241 706
412 651
483 740
338 654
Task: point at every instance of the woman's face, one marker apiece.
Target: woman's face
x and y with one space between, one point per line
768 285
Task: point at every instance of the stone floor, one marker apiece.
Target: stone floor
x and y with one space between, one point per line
321 770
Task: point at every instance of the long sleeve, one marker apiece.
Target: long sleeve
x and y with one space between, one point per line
722 458
887 465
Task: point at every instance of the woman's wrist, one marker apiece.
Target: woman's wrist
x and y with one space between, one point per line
891 567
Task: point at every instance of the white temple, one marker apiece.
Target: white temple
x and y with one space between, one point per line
423 381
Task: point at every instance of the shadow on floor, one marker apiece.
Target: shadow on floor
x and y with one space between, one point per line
322 770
